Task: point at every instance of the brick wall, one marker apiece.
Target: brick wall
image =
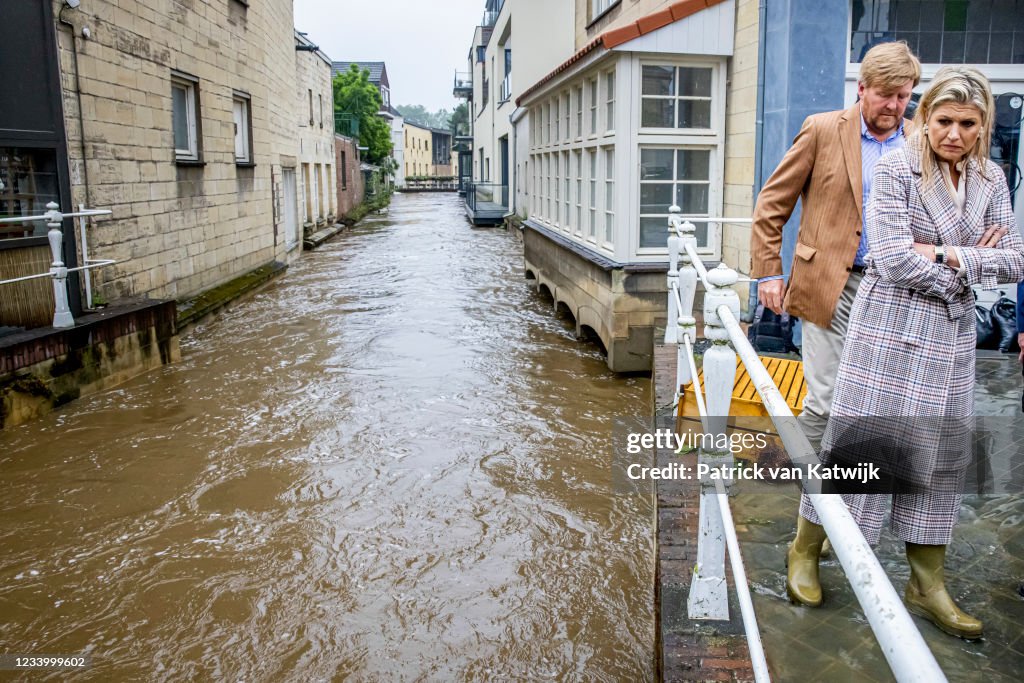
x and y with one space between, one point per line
177 230
349 185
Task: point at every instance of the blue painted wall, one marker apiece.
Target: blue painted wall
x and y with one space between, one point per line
804 71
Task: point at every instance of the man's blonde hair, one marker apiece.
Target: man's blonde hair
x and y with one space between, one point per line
961 85
888 66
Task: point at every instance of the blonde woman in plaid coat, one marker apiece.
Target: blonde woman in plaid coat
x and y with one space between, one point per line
939 220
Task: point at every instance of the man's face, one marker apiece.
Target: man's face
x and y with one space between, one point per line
883 108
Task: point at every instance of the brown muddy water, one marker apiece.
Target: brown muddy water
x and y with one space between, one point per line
391 464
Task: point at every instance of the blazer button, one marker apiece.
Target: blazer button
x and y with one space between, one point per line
858 233
849 269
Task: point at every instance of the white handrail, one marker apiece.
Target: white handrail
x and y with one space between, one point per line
757 657
905 650
902 644
698 392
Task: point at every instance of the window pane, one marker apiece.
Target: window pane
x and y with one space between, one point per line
979 15
658 80
693 164
692 198
656 197
977 48
656 164
180 103
694 113
932 17
654 232
1001 48
694 81
953 47
28 180
908 13
656 113
955 15
929 47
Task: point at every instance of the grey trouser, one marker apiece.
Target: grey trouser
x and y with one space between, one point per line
822 350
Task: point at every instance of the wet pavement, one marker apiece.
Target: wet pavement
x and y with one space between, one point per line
984 566
391 464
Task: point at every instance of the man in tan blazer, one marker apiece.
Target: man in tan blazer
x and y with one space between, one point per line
829 166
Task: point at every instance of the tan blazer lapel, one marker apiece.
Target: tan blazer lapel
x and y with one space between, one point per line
849 133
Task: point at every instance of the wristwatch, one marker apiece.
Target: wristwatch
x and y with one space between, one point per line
940 254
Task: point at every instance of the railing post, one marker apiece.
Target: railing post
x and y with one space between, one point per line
672 280
62 312
686 323
709 598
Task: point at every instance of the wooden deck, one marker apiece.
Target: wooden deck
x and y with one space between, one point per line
788 375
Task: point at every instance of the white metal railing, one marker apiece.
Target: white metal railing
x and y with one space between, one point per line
58 272
904 648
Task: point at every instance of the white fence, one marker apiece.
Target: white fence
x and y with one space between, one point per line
904 648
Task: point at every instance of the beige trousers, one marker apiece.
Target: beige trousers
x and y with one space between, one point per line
822 350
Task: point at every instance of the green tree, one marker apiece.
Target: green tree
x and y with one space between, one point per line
355 94
459 121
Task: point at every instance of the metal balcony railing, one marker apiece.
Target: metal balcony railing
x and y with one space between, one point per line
463 86
478 195
904 648
346 124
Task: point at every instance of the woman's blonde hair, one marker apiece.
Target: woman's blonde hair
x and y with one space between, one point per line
887 66
961 85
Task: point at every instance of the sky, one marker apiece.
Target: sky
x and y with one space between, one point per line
421 43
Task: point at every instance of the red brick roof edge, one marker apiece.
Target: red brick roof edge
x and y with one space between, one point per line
624 34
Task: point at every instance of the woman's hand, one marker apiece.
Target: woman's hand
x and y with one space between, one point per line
989 239
1020 343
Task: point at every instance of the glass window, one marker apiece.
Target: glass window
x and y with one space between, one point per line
675 97
678 176
28 182
593 106
592 177
566 185
241 109
942 31
609 93
579 111
578 163
184 117
609 194
599 6
566 107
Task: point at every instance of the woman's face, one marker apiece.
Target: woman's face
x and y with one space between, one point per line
953 130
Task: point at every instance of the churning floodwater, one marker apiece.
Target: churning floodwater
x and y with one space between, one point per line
390 464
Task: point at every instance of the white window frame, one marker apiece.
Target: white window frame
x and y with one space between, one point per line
700 138
716 106
189 84
609 197
243 128
592 178
609 99
599 7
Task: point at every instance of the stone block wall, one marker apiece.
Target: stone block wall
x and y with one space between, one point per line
177 229
314 120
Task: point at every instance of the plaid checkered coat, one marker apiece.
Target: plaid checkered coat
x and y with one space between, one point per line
909 352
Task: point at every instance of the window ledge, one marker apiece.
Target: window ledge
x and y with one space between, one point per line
190 162
245 164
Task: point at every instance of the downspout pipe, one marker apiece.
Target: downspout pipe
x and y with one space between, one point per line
762 33
78 96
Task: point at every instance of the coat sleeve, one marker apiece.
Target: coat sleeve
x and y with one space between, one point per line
777 199
1005 263
891 241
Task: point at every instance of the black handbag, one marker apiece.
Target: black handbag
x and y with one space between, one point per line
987 338
1004 323
771 332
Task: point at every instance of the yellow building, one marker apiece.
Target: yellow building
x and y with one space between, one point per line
418 150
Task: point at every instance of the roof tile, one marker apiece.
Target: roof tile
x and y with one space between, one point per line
685 8
618 36
652 22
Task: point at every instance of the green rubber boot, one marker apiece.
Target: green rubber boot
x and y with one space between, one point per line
927 597
802 583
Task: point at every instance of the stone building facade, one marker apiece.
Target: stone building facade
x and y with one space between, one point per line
314 120
176 123
418 144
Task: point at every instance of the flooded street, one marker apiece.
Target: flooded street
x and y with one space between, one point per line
391 464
